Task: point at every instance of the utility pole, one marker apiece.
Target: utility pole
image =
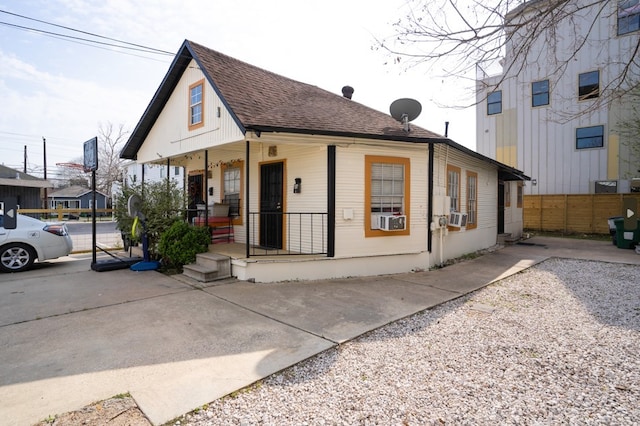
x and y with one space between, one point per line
24 168
44 146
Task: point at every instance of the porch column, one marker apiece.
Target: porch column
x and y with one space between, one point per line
206 187
331 201
247 191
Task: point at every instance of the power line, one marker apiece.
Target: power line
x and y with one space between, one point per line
141 47
146 50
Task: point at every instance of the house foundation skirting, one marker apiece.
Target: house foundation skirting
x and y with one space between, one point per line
303 268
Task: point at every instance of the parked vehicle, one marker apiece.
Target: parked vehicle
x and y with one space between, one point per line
32 239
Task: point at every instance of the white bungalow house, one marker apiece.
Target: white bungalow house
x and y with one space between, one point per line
318 185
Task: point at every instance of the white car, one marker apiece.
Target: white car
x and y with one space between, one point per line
32 239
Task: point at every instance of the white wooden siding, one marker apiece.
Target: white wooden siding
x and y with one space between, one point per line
170 135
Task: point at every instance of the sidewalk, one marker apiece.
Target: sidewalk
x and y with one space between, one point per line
70 336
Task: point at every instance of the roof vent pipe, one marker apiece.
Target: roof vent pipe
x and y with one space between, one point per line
347 92
446 129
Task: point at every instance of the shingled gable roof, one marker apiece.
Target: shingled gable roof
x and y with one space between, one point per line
264 101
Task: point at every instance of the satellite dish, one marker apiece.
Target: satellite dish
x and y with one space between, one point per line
134 206
405 110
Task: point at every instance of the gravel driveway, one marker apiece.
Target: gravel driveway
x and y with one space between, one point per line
556 344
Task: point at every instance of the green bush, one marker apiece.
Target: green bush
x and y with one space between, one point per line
180 243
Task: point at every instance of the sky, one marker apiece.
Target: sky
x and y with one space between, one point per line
63 90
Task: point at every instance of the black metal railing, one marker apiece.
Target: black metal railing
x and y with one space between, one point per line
292 233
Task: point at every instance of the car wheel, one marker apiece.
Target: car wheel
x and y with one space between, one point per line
16 257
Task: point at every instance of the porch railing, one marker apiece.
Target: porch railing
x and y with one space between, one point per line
291 233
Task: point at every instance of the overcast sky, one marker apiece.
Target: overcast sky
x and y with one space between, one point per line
62 90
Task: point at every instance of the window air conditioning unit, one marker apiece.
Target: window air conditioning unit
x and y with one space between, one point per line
457 219
393 223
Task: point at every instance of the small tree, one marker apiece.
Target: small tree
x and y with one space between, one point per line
162 205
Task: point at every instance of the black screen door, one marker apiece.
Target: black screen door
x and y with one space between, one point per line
271 192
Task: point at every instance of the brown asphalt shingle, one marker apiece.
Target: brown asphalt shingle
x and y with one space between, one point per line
260 98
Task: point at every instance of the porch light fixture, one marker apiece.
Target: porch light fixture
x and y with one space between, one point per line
297 187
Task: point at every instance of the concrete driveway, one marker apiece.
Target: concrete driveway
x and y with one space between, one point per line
70 336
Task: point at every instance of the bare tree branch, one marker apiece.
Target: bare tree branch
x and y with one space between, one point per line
461 38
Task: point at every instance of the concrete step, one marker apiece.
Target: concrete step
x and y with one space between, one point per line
208 267
502 238
211 260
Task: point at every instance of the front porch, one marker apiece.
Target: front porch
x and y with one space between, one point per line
272 267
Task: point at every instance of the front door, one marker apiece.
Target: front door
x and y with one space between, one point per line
271 200
501 207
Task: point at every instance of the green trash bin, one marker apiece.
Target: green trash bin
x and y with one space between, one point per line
625 238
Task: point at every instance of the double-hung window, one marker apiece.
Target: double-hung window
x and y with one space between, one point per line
590 137
628 16
589 85
540 93
453 187
196 105
472 200
232 186
494 102
386 191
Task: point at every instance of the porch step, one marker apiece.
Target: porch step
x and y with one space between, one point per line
507 238
502 238
208 267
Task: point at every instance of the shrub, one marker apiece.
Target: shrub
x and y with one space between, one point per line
180 243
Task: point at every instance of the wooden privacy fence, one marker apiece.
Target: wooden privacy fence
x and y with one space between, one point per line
573 213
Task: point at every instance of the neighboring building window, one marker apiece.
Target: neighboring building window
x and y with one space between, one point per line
494 102
519 201
540 93
628 16
590 137
386 191
606 187
472 200
232 186
176 171
507 194
589 85
453 187
196 105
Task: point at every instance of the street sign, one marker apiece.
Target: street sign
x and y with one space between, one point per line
91 155
629 213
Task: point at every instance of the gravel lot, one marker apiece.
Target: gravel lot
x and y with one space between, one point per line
556 344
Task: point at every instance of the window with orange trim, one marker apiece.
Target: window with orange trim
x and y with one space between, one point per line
387 185
472 200
196 105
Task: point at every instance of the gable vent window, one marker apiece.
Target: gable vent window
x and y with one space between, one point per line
628 16
196 105
589 85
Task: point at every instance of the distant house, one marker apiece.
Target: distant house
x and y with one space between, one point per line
318 185
135 172
27 189
76 197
